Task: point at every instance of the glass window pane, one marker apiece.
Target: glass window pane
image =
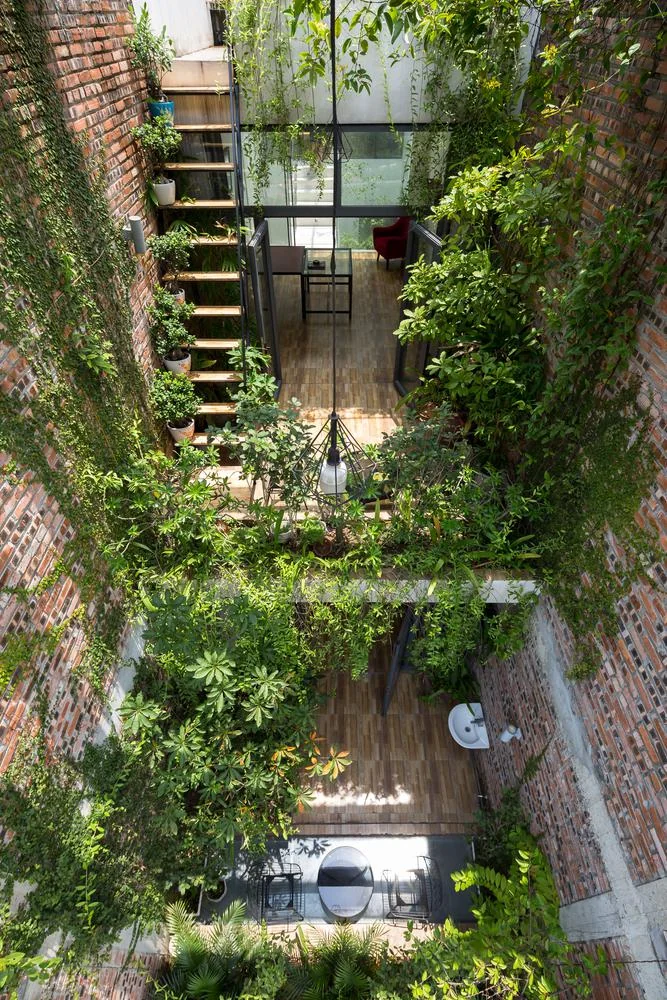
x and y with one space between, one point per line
301 176
373 166
358 233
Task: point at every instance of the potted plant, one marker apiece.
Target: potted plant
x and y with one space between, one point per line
168 330
175 401
172 251
154 54
159 142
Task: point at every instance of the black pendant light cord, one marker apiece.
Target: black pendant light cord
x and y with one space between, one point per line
334 111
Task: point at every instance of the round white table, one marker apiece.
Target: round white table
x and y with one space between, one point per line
345 882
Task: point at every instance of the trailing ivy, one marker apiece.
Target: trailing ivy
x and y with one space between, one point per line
66 272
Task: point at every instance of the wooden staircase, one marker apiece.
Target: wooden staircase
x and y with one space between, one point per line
206 115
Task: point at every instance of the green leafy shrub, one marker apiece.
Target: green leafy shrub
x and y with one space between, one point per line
173 398
168 330
150 52
171 249
159 142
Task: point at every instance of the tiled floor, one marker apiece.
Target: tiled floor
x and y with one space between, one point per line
408 776
385 856
365 350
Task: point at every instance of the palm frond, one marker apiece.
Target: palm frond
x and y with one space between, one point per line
349 980
235 914
204 983
179 918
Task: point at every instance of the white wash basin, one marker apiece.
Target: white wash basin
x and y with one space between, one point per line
468 733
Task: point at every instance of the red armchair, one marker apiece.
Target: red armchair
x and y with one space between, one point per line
391 241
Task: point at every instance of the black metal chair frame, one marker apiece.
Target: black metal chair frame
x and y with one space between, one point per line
427 876
263 901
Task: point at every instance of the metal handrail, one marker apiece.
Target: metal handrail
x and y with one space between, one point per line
237 147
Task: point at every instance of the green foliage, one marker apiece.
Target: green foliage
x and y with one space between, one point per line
66 272
495 830
77 851
548 405
173 398
518 944
341 966
16 966
150 52
449 511
228 959
281 110
517 949
168 318
171 249
159 142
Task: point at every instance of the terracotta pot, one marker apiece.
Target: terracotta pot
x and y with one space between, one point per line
179 295
165 192
182 365
181 433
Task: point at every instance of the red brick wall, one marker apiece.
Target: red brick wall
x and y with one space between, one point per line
102 99
114 981
623 708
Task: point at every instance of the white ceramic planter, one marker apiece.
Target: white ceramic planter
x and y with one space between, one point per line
179 295
183 365
181 433
165 192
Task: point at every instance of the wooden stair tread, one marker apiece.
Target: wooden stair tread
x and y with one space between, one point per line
225 166
217 409
215 344
222 91
201 440
203 276
214 241
204 127
202 203
215 377
217 311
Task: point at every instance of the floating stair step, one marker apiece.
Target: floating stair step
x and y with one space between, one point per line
227 311
204 127
217 409
219 378
201 440
224 203
226 167
214 344
203 276
214 241
202 89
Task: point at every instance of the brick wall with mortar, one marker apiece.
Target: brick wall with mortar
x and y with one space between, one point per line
102 97
623 708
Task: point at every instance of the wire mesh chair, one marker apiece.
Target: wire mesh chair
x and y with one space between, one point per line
275 892
414 894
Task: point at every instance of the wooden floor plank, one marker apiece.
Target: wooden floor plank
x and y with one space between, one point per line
365 350
408 776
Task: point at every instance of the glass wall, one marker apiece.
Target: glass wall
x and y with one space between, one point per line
287 178
298 172
373 165
316 231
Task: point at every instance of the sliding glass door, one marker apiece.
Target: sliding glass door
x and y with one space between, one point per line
263 297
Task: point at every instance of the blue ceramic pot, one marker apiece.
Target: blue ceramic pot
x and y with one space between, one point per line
156 108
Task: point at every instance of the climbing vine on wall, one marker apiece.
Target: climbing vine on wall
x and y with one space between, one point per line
65 272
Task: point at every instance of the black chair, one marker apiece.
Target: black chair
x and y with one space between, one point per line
415 894
275 893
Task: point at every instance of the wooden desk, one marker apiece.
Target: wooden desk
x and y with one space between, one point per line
291 260
287 260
